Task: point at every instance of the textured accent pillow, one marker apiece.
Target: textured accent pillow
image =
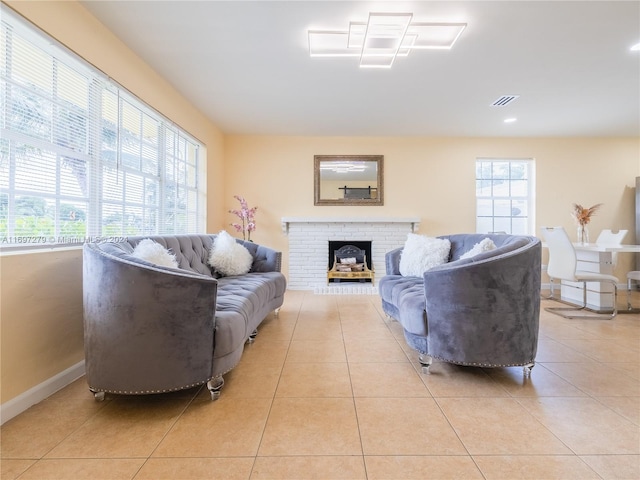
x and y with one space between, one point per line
484 245
420 253
228 257
155 253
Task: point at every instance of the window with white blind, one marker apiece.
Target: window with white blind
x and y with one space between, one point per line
81 159
505 196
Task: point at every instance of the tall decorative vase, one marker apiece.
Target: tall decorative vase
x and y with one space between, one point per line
583 234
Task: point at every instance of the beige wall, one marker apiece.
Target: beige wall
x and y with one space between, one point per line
40 296
434 179
41 293
41 317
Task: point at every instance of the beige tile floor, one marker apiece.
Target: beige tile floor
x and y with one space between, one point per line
329 390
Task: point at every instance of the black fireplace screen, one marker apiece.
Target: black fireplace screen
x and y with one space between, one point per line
335 245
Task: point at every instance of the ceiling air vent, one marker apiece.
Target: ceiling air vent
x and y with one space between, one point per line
504 100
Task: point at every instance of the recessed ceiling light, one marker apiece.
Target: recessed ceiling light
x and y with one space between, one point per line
383 38
510 120
635 48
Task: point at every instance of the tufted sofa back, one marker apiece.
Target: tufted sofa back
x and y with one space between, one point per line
192 252
463 242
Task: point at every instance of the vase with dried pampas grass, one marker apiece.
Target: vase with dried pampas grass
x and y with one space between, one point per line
582 216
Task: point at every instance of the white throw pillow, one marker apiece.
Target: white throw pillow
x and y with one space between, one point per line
420 253
155 253
485 245
229 257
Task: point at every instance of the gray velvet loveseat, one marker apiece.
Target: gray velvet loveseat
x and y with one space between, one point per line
153 329
479 311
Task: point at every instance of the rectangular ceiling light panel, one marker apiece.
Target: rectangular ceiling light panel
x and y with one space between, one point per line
435 35
377 61
357 31
383 38
325 43
407 44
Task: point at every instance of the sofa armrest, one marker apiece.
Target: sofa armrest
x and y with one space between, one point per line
147 329
265 259
392 261
485 309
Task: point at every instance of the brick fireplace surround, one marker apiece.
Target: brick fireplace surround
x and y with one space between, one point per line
309 248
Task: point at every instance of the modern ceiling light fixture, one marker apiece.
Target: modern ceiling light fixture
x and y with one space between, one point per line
635 48
382 38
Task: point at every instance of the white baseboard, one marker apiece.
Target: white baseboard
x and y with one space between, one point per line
34 395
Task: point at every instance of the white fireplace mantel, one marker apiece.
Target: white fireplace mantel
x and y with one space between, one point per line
414 221
309 244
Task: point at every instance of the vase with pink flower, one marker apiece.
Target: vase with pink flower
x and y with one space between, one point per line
246 216
582 217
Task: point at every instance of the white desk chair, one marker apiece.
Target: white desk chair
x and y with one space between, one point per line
607 237
562 266
633 275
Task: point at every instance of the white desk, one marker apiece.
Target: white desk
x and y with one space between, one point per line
594 258
594 247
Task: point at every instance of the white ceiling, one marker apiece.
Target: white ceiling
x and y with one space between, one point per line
246 65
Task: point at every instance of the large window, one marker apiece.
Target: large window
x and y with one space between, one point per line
80 157
505 196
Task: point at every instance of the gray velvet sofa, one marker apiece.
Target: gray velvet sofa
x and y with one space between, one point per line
481 311
152 329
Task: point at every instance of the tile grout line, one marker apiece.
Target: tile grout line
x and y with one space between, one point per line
353 397
173 424
275 391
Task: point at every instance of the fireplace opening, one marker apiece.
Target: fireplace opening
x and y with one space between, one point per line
340 272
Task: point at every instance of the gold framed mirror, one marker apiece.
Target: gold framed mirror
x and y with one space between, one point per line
348 179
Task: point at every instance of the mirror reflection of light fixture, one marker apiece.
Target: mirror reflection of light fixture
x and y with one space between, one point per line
339 167
384 37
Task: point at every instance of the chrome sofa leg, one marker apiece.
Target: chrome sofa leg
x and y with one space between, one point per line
215 385
526 369
252 337
426 361
97 395
276 312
